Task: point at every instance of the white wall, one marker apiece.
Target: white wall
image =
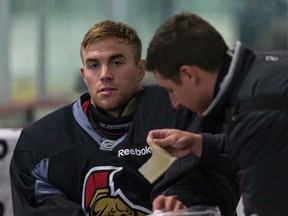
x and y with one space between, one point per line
8 139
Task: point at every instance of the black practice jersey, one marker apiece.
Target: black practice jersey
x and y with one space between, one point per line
63 166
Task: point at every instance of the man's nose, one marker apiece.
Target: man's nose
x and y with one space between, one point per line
175 102
105 73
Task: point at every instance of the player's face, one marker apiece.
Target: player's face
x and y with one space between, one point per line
111 74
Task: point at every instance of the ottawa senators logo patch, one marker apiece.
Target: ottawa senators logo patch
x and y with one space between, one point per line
99 196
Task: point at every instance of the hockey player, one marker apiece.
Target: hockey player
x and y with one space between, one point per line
84 158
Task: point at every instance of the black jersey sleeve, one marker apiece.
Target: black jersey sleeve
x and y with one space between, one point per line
23 194
27 157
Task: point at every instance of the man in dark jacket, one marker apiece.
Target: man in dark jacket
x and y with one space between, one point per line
84 158
249 90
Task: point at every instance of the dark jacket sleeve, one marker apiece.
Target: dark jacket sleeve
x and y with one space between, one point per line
260 147
194 181
215 154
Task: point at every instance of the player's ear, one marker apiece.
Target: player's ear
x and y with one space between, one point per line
83 75
141 68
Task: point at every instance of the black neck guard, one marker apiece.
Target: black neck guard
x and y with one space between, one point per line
113 127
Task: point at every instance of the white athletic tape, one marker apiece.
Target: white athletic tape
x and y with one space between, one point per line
159 162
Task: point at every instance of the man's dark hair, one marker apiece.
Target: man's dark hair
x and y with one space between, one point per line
185 39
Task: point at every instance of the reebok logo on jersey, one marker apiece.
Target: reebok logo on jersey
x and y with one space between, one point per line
135 151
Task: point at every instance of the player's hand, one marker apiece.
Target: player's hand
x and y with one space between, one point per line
167 203
177 142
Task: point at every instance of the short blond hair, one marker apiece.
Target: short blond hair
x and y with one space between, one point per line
108 29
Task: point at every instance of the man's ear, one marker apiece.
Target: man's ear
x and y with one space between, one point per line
141 68
189 73
83 74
